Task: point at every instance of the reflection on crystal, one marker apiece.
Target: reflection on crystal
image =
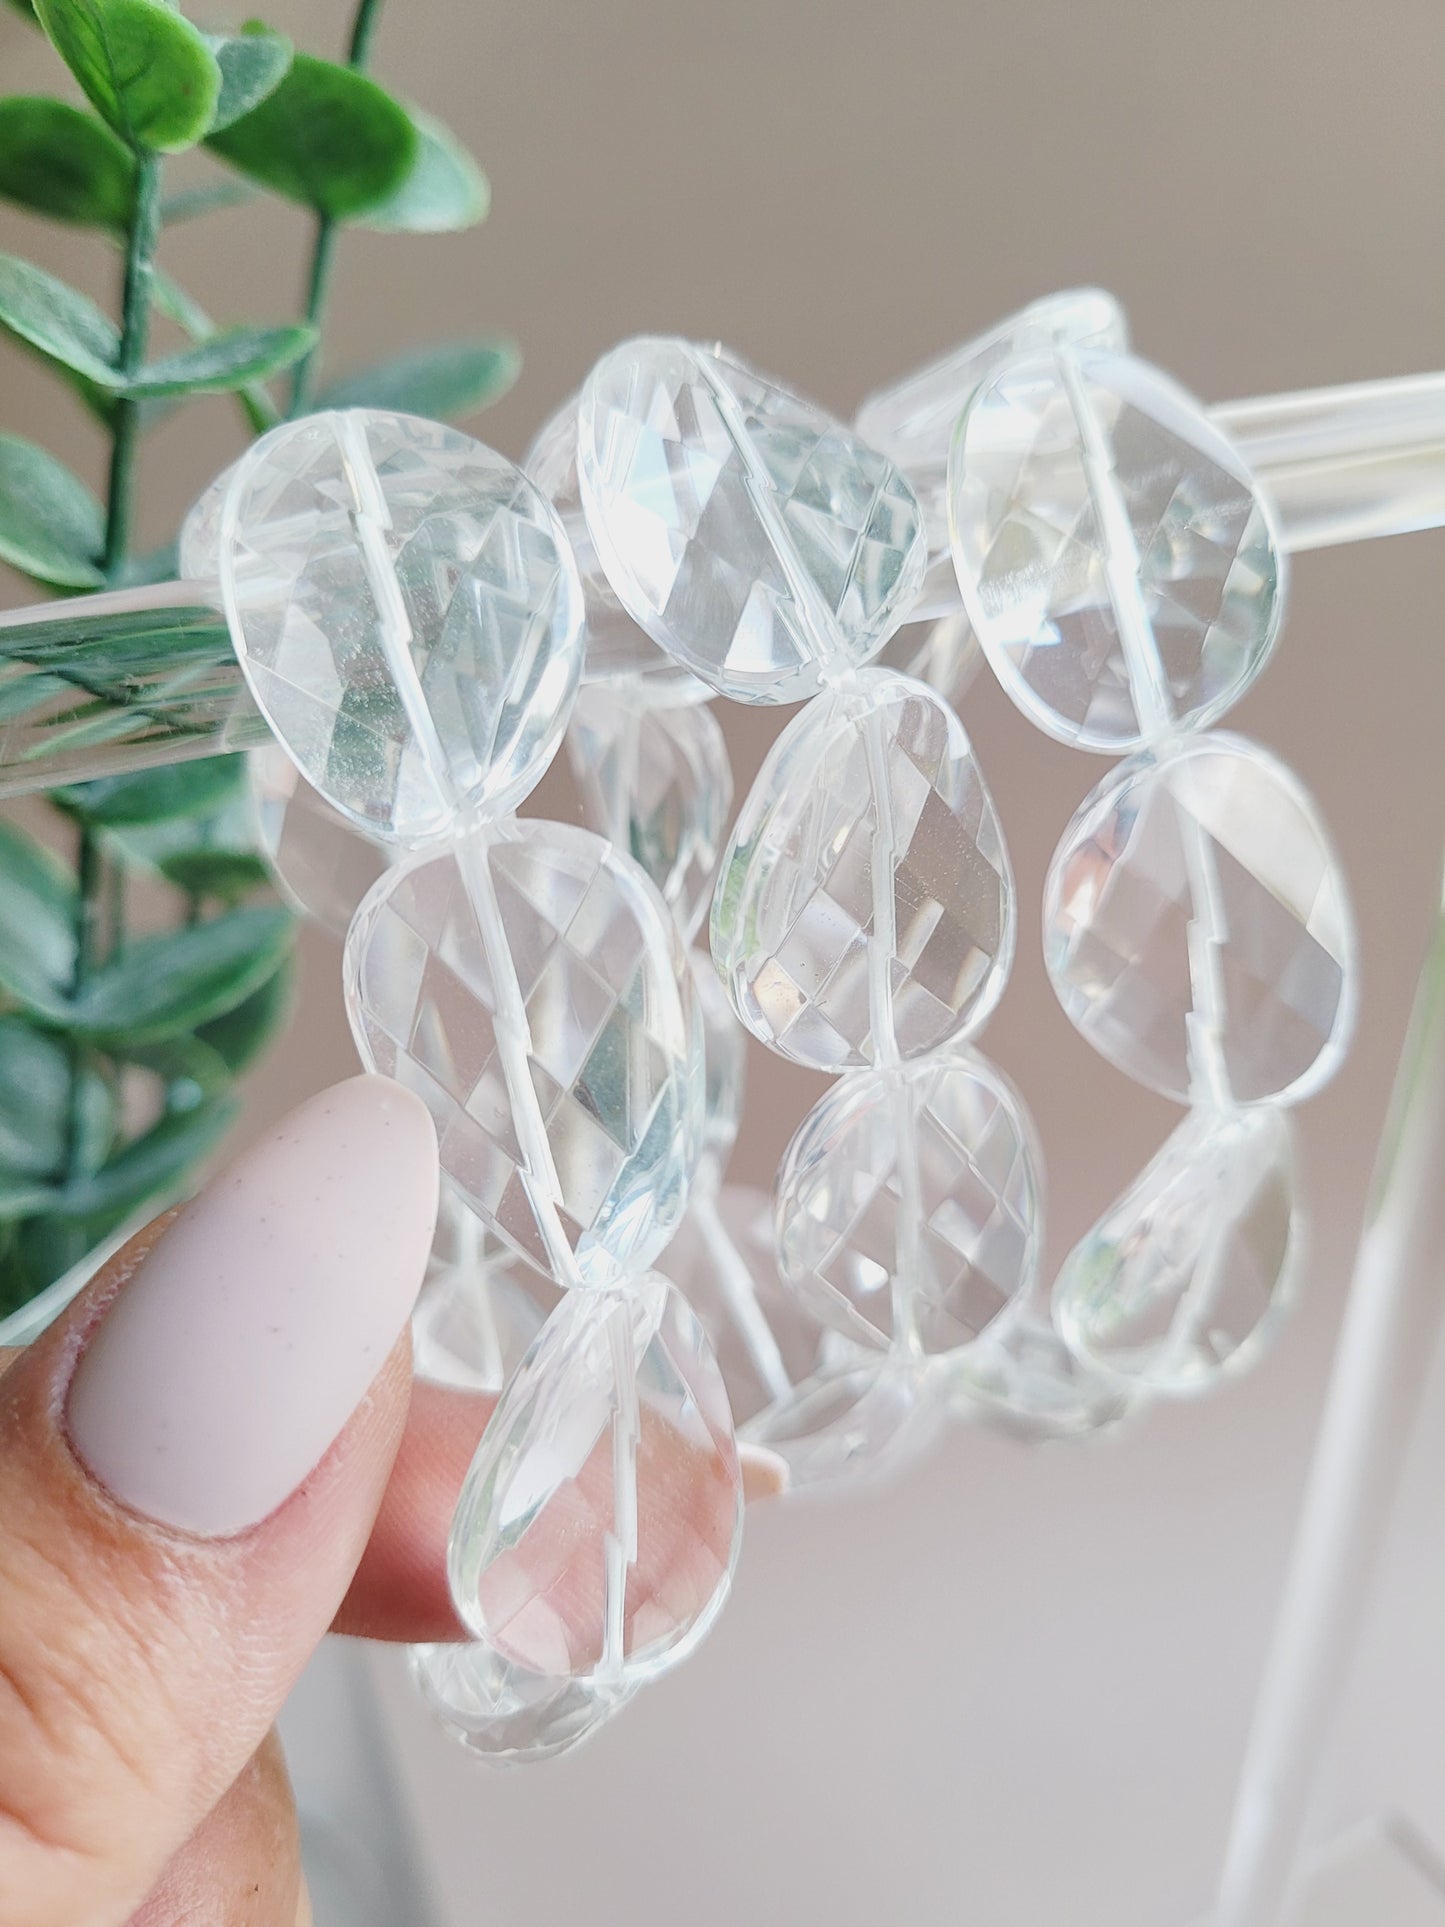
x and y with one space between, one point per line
795 926
408 615
553 1563
1185 1276
605 1043
1113 551
659 784
615 646
909 1205
1022 1378
480 1309
725 1054
322 863
753 536
1197 929
833 1409
944 654
503 1713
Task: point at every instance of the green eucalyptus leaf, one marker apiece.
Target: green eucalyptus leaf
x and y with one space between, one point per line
190 1070
22 1197
34 1097
243 1033
176 982
230 875
223 362
144 68
442 382
51 526
327 137
252 66
151 1169
57 161
155 795
444 189
65 325
26 10
38 907
171 299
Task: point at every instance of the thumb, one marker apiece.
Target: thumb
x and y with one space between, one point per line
190 1465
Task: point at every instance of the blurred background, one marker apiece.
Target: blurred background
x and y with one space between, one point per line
1014 1686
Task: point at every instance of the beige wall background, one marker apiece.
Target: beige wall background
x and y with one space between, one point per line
1013 1688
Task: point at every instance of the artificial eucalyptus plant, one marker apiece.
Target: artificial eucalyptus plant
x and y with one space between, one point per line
120 1046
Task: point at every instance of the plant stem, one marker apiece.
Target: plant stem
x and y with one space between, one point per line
318 286
90 886
134 334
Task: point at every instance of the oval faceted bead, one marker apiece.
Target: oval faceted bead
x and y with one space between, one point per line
552 1563
530 987
874 782
1024 1380
616 648
910 1204
481 1306
659 784
913 420
407 613
321 862
1185 1277
503 1713
1113 551
834 1409
752 536
1197 929
725 1054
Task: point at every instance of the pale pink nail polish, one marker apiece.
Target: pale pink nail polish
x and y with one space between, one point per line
233 1358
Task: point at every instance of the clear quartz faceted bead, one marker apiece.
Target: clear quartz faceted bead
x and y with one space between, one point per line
616 648
833 1409
529 986
320 861
754 537
552 1562
1022 1379
505 1714
725 1056
1186 1276
658 783
913 420
865 905
1197 928
481 1307
944 654
909 1206
407 613
1113 551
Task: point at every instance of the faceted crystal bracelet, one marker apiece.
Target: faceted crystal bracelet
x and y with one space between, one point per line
410 615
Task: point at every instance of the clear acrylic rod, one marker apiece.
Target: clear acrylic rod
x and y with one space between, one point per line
1382 1358
100 685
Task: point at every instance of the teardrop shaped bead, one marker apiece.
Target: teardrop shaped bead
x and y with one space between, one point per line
725 1055
531 970
503 1713
913 420
321 863
871 781
753 537
407 613
1197 928
910 1204
1113 551
552 1562
944 654
481 1307
659 784
834 1410
1186 1276
616 648
1022 1379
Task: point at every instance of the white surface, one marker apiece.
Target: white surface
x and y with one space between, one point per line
1380 1875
